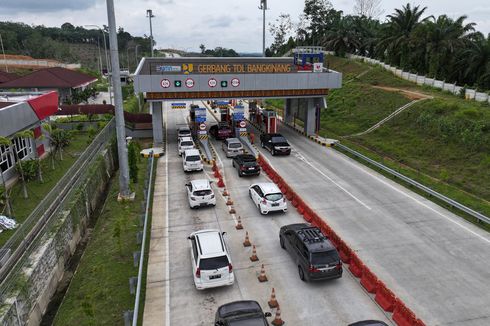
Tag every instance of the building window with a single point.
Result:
(23, 147)
(6, 160)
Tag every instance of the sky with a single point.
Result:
(186, 24)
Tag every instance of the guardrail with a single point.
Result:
(24, 240)
(131, 317)
(420, 186)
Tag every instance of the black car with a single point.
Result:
(241, 313)
(369, 323)
(275, 143)
(221, 131)
(315, 256)
(246, 164)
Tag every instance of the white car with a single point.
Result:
(191, 160)
(199, 193)
(184, 132)
(185, 143)
(211, 262)
(267, 197)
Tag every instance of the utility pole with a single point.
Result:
(4, 57)
(263, 7)
(149, 14)
(122, 150)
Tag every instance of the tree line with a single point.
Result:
(439, 47)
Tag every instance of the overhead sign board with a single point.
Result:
(238, 113)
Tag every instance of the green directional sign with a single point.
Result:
(224, 83)
(178, 83)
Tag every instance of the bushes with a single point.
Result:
(30, 169)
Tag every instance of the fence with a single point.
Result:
(419, 186)
(27, 237)
(131, 316)
(423, 80)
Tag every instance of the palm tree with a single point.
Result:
(476, 59)
(343, 37)
(21, 134)
(49, 130)
(6, 143)
(398, 33)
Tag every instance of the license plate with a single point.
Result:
(251, 168)
(275, 204)
(213, 277)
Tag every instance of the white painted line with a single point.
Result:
(302, 157)
(167, 251)
(368, 172)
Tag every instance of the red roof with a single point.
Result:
(5, 77)
(55, 77)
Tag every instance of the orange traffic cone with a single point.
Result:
(221, 184)
(229, 201)
(239, 225)
(216, 174)
(232, 210)
(246, 243)
(254, 254)
(277, 320)
(262, 277)
(225, 193)
(273, 302)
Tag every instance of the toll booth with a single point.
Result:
(224, 110)
(308, 61)
(252, 110)
(197, 117)
(239, 125)
(268, 121)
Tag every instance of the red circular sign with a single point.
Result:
(189, 82)
(243, 124)
(165, 83)
(212, 82)
(235, 82)
(202, 126)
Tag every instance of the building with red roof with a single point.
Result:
(6, 77)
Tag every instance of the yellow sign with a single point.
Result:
(243, 68)
(187, 68)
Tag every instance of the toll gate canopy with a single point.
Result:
(242, 77)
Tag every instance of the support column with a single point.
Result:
(157, 123)
(288, 111)
(311, 116)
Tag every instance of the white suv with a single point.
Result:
(211, 262)
(185, 143)
(183, 132)
(267, 197)
(199, 193)
(191, 160)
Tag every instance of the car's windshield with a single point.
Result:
(192, 158)
(324, 257)
(248, 321)
(186, 143)
(234, 145)
(213, 263)
(184, 132)
(274, 197)
(279, 140)
(202, 192)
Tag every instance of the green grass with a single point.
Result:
(99, 291)
(37, 190)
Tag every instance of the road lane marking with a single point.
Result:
(303, 158)
(369, 172)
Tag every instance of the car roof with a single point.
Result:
(200, 184)
(233, 140)
(268, 187)
(369, 323)
(210, 242)
(192, 151)
(184, 129)
(232, 308)
(316, 244)
(246, 157)
(186, 139)
(275, 135)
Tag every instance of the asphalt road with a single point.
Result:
(337, 302)
(435, 261)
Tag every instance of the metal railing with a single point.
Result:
(24, 240)
(418, 185)
(148, 197)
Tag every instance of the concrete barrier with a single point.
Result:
(385, 298)
(369, 281)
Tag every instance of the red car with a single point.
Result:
(221, 131)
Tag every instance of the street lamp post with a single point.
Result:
(263, 7)
(149, 14)
(122, 151)
(4, 56)
(106, 60)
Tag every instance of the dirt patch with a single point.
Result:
(409, 94)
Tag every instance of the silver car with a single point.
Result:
(232, 147)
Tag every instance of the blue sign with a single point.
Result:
(238, 113)
(222, 103)
(200, 115)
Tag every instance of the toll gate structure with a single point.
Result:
(303, 82)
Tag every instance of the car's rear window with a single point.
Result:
(186, 143)
(234, 145)
(213, 263)
(247, 163)
(274, 197)
(248, 321)
(202, 192)
(324, 257)
(184, 132)
(193, 158)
